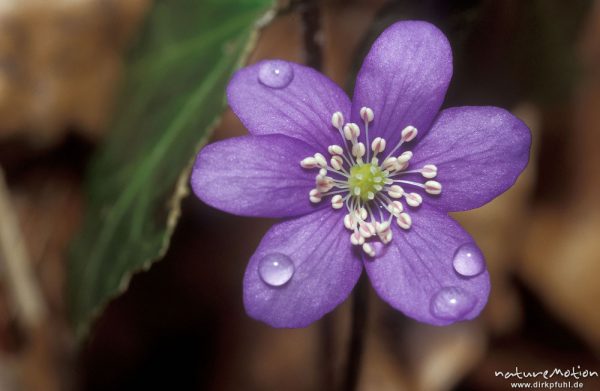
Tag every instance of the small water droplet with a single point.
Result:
(275, 73)
(275, 269)
(452, 303)
(468, 260)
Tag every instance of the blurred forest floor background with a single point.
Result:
(181, 325)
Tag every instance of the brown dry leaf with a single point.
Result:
(60, 62)
(562, 253)
(381, 370)
(283, 359)
(442, 356)
(562, 266)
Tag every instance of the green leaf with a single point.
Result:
(173, 95)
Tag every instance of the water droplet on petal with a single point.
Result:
(452, 303)
(468, 260)
(275, 269)
(275, 73)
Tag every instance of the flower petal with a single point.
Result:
(301, 109)
(255, 176)
(479, 153)
(415, 272)
(326, 268)
(404, 79)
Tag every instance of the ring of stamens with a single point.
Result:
(368, 185)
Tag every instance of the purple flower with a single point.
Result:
(366, 183)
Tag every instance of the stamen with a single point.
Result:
(321, 161)
(366, 114)
(357, 239)
(351, 131)
(335, 150)
(324, 183)
(389, 163)
(358, 150)
(405, 157)
(378, 146)
(429, 171)
(309, 162)
(367, 187)
(337, 162)
(409, 133)
(349, 221)
(337, 120)
(395, 208)
(314, 196)
(368, 249)
(413, 199)
(337, 202)
(395, 191)
(404, 221)
(433, 187)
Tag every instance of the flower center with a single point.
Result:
(371, 191)
(366, 180)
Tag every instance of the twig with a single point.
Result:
(29, 306)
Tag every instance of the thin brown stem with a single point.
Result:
(311, 33)
(357, 335)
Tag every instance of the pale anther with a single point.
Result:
(395, 191)
(357, 239)
(314, 196)
(358, 150)
(429, 171)
(413, 199)
(365, 230)
(337, 202)
(366, 114)
(404, 221)
(396, 208)
(382, 227)
(337, 120)
(336, 162)
(389, 163)
(363, 213)
(309, 162)
(348, 221)
(335, 150)
(368, 249)
(378, 145)
(321, 160)
(405, 157)
(433, 187)
(409, 133)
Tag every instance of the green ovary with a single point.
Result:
(365, 177)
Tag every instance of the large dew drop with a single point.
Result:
(452, 303)
(275, 269)
(275, 73)
(468, 260)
